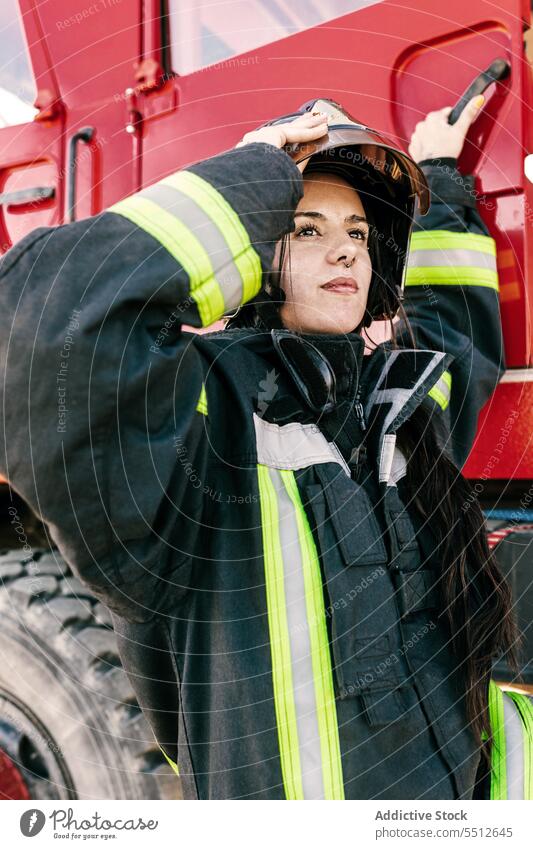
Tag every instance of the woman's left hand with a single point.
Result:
(434, 137)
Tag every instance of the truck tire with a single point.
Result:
(70, 726)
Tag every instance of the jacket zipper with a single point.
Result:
(358, 455)
(359, 411)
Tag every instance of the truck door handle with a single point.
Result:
(24, 196)
(498, 70)
(84, 135)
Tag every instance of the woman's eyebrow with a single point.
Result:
(313, 214)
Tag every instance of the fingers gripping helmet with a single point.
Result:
(388, 182)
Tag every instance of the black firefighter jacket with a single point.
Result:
(275, 608)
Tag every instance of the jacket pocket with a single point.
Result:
(384, 707)
(357, 532)
(360, 600)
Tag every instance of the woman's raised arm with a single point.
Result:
(100, 388)
(451, 286)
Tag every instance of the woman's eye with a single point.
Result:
(311, 230)
(361, 234)
(308, 228)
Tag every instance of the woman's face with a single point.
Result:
(327, 281)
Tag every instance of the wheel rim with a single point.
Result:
(32, 762)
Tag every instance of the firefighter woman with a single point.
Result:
(300, 584)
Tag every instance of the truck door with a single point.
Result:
(215, 70)
(31, 126)
(93, 49)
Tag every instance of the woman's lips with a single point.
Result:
(341, 285)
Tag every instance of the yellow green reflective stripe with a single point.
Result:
(446, 258)
(201, 406)
(498, 782)
(171, 762)
(525, 708)
(279, 639)
(184, 246)
(452, 275)
(226, 219)
(449, 240)
(441, 391)
(320, 652)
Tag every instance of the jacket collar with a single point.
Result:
(322, 366)
(397, 381)
(393, 381)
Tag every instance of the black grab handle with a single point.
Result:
(84, 135)
(499, 70)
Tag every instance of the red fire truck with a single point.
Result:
(99, 98)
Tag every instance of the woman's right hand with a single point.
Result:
(304, 128)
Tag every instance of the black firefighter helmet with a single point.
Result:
(389, 183)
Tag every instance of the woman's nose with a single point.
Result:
(345, 251)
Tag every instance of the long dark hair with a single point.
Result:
(476, 598)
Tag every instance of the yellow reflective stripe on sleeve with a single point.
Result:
(441, 391)
(279, 639)
(450, 275)
(446, 258)
(498, 781)
(201, 406)
(450, 240)
(170, 761)
(184, 246)
(320, 652)
(226, 219)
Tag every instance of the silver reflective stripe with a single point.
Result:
(395, 396)
(392, 462)
(451, 257)
(300, 645)
(181, 205)
(294, 446)
(386, 457)
(514, 749)
(398, 468)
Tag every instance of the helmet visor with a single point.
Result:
(354, 144)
